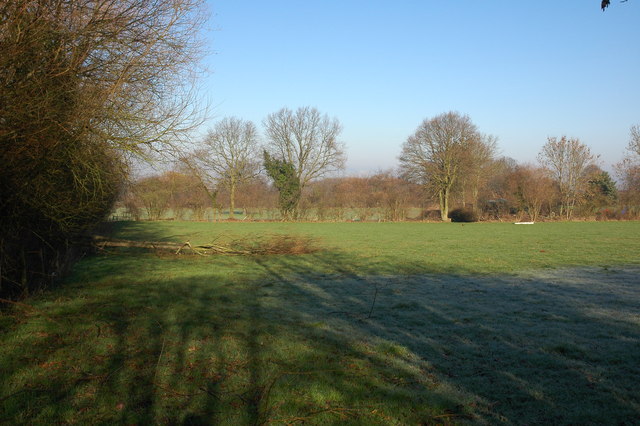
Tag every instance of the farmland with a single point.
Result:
(382, 323)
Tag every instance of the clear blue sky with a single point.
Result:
(522, 70)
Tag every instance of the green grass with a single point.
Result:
(391, 248)
(482, 323)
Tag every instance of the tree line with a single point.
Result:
(446, 163)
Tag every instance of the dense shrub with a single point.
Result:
(463, 215)
(84, 86)
(607, 214)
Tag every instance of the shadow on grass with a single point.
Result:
(285, 340)
(551, 347)
(142, 231)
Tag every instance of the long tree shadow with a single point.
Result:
(554, 347)
(293, 339)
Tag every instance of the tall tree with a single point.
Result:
(230, 155)
(477, 166)
(433, 156)
(306, 139)
(567, 161)
(634, 141)
(629, 173)
(628, 170)
(83, 84)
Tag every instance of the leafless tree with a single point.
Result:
(628, 170)
(257, 198)
(477, 166)
(229, 155)
(567, 161)
(83, 85)
(154, 194)
(390, 195)
(634, 141)
(434, 154)
(171, 191)
(308, 140)
(629, 173)
(533, 189)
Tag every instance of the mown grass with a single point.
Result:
(386, 324)
(478, 248)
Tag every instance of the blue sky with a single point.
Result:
(521, 70)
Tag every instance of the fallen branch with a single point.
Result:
(280, 244)
(155, 245)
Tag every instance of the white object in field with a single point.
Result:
(524, 223)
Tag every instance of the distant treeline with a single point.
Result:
(512, 192)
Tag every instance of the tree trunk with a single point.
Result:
(444, 204)
(474, 193)
(464, 192)
(232, 200)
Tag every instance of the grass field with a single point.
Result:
(390, 323)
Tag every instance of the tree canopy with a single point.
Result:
(228, 155)
(434, 155)
(307, 139)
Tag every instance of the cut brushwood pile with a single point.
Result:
(277, 244)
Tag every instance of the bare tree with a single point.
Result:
(257, 198)
(390, 195)
(434, 154)
(306, 139)
(532, 188)
(629, 173)
(170, 191)
(567, 161)
(634, 141)
(477, 166)
(154, 194)
(628, 170)
(83, 85)
(229, 155)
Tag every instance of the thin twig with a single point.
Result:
(159, 357)
(373, 303)
(110, 374)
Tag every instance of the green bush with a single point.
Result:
(463, 215)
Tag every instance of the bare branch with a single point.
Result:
(306, 139)
(433, 156)
(567, 160)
